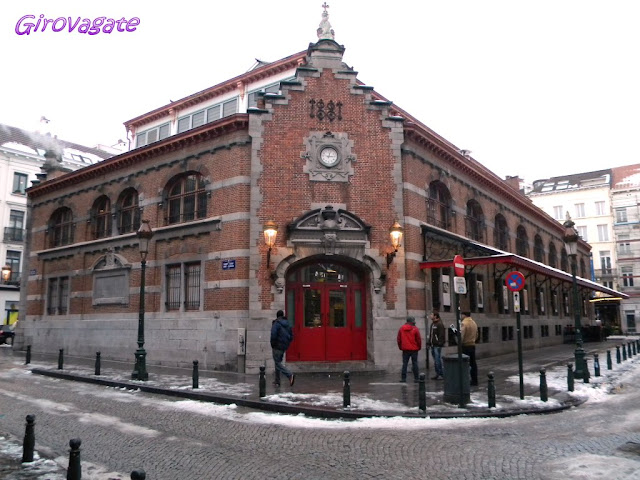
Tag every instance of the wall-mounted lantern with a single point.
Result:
(396, 241)
(270, 231)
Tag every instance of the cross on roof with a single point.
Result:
(325, 5)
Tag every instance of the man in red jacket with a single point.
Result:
(410, 342)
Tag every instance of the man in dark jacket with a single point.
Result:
(281, 338)
(436, 342)
(410, 342)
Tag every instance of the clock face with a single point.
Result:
(329, 156)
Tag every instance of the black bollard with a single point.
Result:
(491, 390)
(543, 385)
(633, 348)
(346, 390)
(422, 394)
(29, 439)
(618, 354)
(629, 354)
(570, 378)
(74, 472)
(262, 382)
(586, 375)
(624, 352)
(60, 358)
(596, 365)
(195, 377)
(609, 363)
(27, 360)
(97, 363)
(138, 475)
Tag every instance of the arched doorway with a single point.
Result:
(327, 306)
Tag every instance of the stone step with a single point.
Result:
(334, 367)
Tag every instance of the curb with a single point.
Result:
(306, 410)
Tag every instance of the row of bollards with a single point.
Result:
(74, 469)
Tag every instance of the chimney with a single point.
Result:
(513, 182)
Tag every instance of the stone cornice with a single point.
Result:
(234, 123)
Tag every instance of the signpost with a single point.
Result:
(458, 269)
(515, 282)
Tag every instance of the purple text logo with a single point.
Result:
(26, 25)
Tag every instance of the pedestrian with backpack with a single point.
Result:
(281, 338)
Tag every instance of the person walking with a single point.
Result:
(469, 337)
(436, 342)
(410, 342)
(281, 338)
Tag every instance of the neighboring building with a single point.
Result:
(625, 200)
(586, 197)
(333, 168)
(23, 154)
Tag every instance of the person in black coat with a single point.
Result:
(281, 338)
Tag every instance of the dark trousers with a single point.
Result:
(413, 355)
(470, 351)
(278, 355)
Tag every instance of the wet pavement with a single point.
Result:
(377, 393)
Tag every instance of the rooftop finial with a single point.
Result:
(325, 30)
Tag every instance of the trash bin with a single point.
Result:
(452, 379)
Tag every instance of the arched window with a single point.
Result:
(538, 249)
(101, 217)
(128, 212)
(61, 227)
(553, 255)
(474, 222)
(564, 260)
(439, 211)
(187, 199)
(522, 242)
(501, 233)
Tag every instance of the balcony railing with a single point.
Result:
(607, 273)
(14, 279)
(12, 234)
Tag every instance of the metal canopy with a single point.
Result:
(533, 266)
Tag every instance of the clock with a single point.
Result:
(329, 156)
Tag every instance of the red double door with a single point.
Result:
(326, 305)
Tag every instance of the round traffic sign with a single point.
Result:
(458, 266)
(514, 281)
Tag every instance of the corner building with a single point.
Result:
(300, 145)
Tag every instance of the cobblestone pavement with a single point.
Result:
(122, 430)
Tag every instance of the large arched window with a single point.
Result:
(439, 211)
(522, 241)
(564, 260)
(538, 249)
(474, 221)
(128, 212)
(61, 227)
(501, 233)
(101, 217)
(186, 198)
(553, 255)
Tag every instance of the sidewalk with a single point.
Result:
(372, 394)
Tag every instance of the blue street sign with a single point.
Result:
(228, 264)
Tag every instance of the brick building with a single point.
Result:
(302, 147)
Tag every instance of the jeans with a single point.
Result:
(436, 352)
(470, 350)
(278, 355)
(413, 355)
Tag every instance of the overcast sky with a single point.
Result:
(534, 89)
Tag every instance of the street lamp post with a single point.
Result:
(570, 238)
(144, 235)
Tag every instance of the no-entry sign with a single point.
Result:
(458, 266)
(514, 281)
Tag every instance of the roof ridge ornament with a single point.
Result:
(324, 30)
